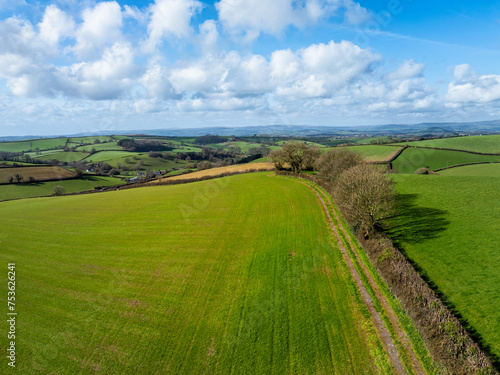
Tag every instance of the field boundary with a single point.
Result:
(454, 149)
(449, 341)
(466, 164)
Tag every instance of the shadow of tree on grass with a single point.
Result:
(413, 223)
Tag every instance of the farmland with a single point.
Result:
(374, 152)
(163, 288)
(39, 173)
(489, 144)
(229, 169)
(412, 159)
(38, 189)
(448, 225)
(474, 170)
(62, 156)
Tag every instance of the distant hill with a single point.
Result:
(449, 128)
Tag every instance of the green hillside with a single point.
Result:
(156, 281)
(449, 228)
(412, 159)
(489, 144)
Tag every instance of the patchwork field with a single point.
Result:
(489, 144)
(40, 173)
(449, 227)
(412, 159)
(39, 189)
(167, 286)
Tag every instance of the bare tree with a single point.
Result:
(333, 162)
(365, 195)
(311, 155)
(18, 177)
(279, 158)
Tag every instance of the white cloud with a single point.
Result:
(468, 87)
(250, 18)
(170, 18)
(55, 25)
(101, 27)
(209, 36)
(409, 69)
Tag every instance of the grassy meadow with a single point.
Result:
(449, 227)
(375, 152)
(488, 144)
(229, 276)
(412, 159)
(492, 169)
(39, 189)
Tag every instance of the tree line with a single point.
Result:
(363, 193)
(366, 196)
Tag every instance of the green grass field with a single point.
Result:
(91, 139)
(15, 146)
(374, 152)
(100, 147)
(66, 156)
(450, 229)
(111, 156)
(474, 170)
(489, 144)
(412, 159)
(39, 189)
(229, 276)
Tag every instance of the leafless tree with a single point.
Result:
(365, 195)
(333, 162)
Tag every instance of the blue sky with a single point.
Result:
(71, 66)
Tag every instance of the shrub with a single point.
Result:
(58, 190)
(424, 170)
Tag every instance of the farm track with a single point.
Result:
(394, 351)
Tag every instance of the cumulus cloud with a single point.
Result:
(101, 27)
(250, 18)
(468, 87)
(170, 18)
(55, 25)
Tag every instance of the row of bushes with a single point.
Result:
(448, 341)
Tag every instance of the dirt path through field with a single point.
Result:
(389, 312)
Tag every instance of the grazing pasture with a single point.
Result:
(412, 159)
(40, 189)
(15, 146)
(65, 156)
(374, 152)
(99, 147)
(492, 169)
(236, 275)
(449, 226)
(489, 144)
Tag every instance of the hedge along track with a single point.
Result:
(395, 339)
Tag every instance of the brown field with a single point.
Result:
(221, 170)
(39, 173)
